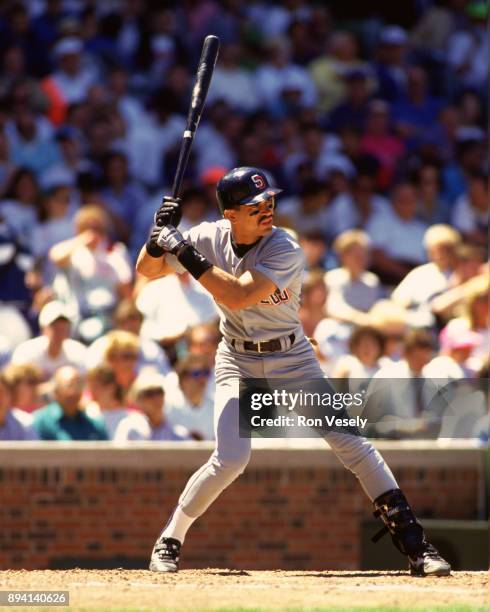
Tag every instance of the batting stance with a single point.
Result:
(254, 272)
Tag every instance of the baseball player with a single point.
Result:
(254, 270)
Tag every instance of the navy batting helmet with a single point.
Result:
(243, 186)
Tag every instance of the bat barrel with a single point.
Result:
(205, 69)
(209, 55)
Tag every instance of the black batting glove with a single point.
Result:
(169, 213)
(152, 247)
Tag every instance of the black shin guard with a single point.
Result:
(400, 522)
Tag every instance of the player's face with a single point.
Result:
(257, 218)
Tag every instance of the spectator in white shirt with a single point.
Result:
(402, 408)
(308, 211)
(397, 237)
(418, 351)
(96, 272)
(318, 155)
(358, 207)
(54, 347)
(107, 403)
(428, 280)
(467, 49)
(57, 225)
(231, 83)
(74, 77)
(366, 347)
(57, 218)
(149, 142)
(271, 77)
(129, 106)
(15, 424)
(31, 142)
(191, 405)
(331, 336)
(128, 318)
(352, 290)
(148, 395)
(15, 329)
(166, 320)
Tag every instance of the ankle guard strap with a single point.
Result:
(400, 522)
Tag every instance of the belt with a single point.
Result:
(270, 346)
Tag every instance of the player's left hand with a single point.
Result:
(169, 213)
(170, 239)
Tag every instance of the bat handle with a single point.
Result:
(182, 163)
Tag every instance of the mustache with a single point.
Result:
(264, 217)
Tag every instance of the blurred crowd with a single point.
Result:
(375, 130)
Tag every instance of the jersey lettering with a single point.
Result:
(276, 298)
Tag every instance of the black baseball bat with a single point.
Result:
(209, 55)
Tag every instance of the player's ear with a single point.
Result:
(230, 214)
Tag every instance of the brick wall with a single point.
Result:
(295, 508)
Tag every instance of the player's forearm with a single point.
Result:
(152, 267)
(234, 293)
(226, 289)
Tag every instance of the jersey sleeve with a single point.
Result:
(201, 237)
(282, 261)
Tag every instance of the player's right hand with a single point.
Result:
(169, 213)
(171, 240)
(152, 247)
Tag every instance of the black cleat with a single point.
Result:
(429, 563)
(165, 555)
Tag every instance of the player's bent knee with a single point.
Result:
(234, 461)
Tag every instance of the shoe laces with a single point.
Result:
(430, 551)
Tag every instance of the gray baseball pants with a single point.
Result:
(232, 453)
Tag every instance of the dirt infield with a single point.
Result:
(218, 589)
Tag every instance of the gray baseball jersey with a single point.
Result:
(278, 256)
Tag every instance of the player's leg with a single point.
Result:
(360, 457)
(227, 462)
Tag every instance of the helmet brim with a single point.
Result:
(260, 197)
